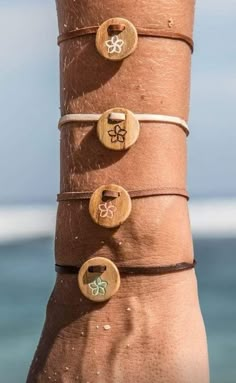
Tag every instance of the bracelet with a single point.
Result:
(70, 196)
(138, 270)
(119, 128)
(145, 32)
(99, 277)
(116, 116)
(117, 38)
(110, 205)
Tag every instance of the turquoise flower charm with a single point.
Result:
(98, 287)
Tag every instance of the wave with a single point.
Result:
(216, 218)
(208, 218)
(25, 223)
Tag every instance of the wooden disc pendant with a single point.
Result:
(116, 39)
(99, 279)
(110, 206)
(116, 133)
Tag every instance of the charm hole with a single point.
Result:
(109, 195)
(114, 119)
(97, 269)
(116, 28)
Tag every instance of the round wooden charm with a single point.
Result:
(99, 279)
(110, 206)
(116, 39)
(118, 134)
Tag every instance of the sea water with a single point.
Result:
(27, 277)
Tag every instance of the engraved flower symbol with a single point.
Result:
(107, 210)
(114, 45)
(98, 287)
(117, 134)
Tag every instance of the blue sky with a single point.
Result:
(29, 99)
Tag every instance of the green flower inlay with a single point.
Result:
(98, 287)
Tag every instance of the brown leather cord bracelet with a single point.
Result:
(70, 196)
(133, 270)
(142, 31)
(111, 205)
(99, 278)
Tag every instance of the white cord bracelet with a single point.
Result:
(121, 117)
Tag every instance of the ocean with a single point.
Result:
(27, 277)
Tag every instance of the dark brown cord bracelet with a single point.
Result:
(70, 196)
(142, 31)
(137, 270)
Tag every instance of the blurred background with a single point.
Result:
(29, 169)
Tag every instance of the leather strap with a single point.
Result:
(77, 117)
(136, 270)
(142, 31)
(68, 196)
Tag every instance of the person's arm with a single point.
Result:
(151, 330)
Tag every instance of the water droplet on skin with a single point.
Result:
(128, 309)
(73, 349)
(67, 368)
(128, 345)
(62, 281)
(82, 333)
(120, 243)
(98, 372)
(97, 326)
(102, 242)
(107, 327)
(76, 237)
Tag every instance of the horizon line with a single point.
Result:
(209, 218)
